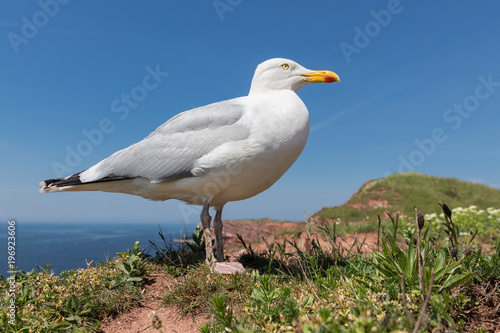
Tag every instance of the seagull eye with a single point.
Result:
(285, 66)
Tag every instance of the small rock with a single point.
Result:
(228, 268)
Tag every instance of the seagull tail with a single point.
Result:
(73, 183)
(60, 184)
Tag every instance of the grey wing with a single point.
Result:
(171, 151)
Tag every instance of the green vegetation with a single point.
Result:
(415, 284)
(414, 280)
(400, 192)
(76, 300)
(470, 219)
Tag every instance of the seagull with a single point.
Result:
(211, 155)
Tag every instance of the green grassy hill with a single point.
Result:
(402, 191)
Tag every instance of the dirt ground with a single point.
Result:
(487, 312)
(151, 310)
(253, 232)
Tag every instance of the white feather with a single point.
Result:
(226, 151)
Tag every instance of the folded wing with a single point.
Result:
(172, 150)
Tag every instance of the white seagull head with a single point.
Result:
(286, 74)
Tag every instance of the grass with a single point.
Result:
(413, 281)
(414, 284)
(192, 293)
(76, 300)
(403, 191)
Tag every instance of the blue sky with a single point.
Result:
(419, 90)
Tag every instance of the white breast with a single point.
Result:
(279, 124)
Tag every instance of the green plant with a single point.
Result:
(179, 256)
(394, 263)
(76, 309)
(484, 268)
(132, 266)
(75, 301)
(426, 271)
(469, 219)
(197, 244)
(194, 290)
(221, 309)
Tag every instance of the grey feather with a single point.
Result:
(171, 151)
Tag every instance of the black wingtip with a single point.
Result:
(74, 180)
(60, 182)
(48, 182)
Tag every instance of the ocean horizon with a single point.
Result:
(67, 246)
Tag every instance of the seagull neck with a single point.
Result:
(256, 91)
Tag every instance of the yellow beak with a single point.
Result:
(322, 76)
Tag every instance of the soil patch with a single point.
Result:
(152, 311)
(260, 233)
(483, 310)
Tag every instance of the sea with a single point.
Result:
(66, 246)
